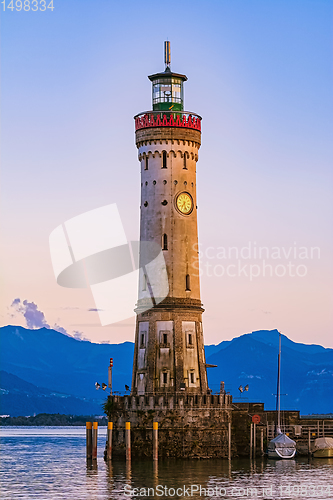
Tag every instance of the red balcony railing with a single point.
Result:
(182, 119)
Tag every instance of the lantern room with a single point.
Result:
(167, 87)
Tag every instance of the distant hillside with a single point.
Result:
(61, 364)
(49, 359)
(19, 397)
(306, 371)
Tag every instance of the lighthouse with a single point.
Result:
(169, 353)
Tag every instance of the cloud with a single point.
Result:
(36, 319)
(60, 329)
(79, 336)
(33, 316)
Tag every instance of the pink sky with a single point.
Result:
(259, 74)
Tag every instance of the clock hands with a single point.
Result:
(184, 203)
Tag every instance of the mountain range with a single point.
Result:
(46, 371)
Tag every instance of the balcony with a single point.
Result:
(180, 119)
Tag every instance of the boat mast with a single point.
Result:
(278, 392)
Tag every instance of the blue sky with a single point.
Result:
(260, 75)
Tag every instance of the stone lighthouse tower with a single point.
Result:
(169, 347)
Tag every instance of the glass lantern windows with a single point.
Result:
(167, 90)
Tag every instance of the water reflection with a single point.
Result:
(52, 465)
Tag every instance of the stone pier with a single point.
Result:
(189, 426)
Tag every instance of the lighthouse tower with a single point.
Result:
(169, 347)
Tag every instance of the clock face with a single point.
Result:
(184, 203)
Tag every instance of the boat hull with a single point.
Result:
(325, 453)
(283, 453)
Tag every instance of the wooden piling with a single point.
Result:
(254, 439)
(89, 440)
(229, 440)
(155, 440)
(309, 442)
(94, 440)
(109, 442)
(262, 441)
(251, 434)
(128, 440)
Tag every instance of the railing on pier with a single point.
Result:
(321, 428)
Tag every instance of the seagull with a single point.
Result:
(104, 386)
(97, 385)
(126, 388)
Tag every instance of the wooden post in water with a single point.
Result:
(309, 442)
(254, 439)
(229, 440)
(155, 440)
(128, 440)
(262, 441)
(89, 440)
(109, 442)
(251, 434)
(94, 440)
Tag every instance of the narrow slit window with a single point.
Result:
(164, 159)
(185, 166)
(165, 377)
(188, 283)
(146, 163)
(192, 377)
(142, 339)
(190, 339)
(165, 338)
(165, 242)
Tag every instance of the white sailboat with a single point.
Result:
(281, 446)
(323, 447)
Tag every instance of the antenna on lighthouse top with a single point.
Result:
(167, 55)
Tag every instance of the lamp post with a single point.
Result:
(110, 376)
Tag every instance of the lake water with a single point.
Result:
(48, 463)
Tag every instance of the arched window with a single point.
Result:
(188, 284)
(164, 159)
(146, 163)
(185, 166)
(165, 242)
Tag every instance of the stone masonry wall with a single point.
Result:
(194, 427)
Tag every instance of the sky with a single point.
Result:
(260, 75)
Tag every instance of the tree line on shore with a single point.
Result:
(52, 419)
